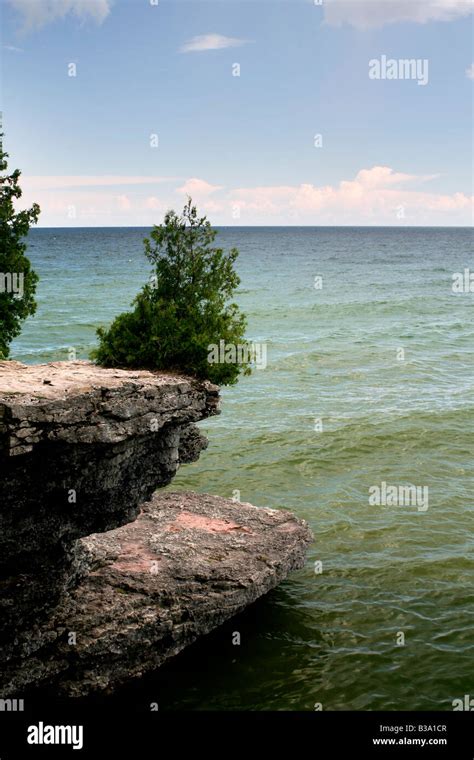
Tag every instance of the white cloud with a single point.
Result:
(384, 176)
(155, 204)
(470, 71)
(38, 13)
(61, 182)
(365, 14)
(210, 42)
(198, 188)
(124, 202)
(13, 49)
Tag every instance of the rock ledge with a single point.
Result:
(101, 579)
(188, 563)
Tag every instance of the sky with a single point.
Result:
(265, 112)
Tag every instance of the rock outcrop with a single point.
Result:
(82, 450)
(187, 564)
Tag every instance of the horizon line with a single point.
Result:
(273, 226)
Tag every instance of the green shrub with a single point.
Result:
(17, 279)
(184, 309)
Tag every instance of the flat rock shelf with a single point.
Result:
(102, 578)
(188, 563)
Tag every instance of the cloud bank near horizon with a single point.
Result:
(376, 196)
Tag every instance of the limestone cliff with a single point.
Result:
(82, 451)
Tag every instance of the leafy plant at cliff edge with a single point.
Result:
(185, 307)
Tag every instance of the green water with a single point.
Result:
(369, 379)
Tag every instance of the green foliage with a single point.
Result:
(17, 279)
(185, 308)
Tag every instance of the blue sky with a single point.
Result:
(391, 151)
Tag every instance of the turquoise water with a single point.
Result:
(369, 379)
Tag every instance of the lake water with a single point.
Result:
(369, 380)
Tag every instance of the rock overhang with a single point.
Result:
(87, 545)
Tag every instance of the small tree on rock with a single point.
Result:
(185, 307)
(17, 279)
